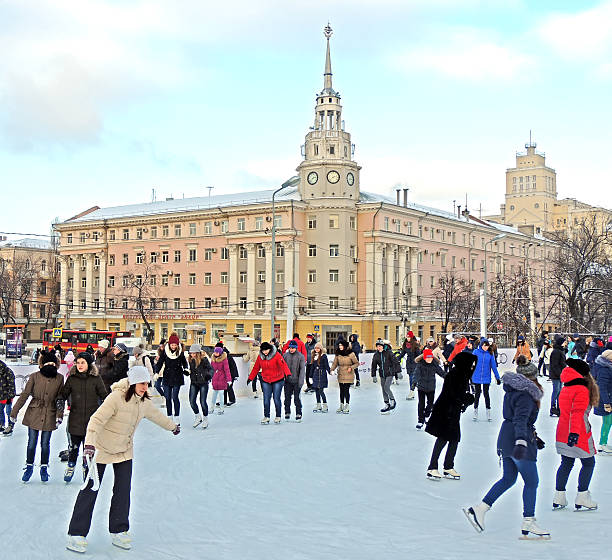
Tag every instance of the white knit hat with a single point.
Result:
(104, 343)
(138, 374)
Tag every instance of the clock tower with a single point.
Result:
(328, 169)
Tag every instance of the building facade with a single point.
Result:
(345, 260)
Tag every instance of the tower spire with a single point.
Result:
(327, 83)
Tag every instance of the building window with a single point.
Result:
(126, 259)
(207, 278)
(223, 302)
(242, 277)
(334, 221)
(83, 283)
(312, 276)
(224, 277)
(153, 232)
(165, 231)
(242, 304)
(69, 238)
(111, 282)
(278, 222)
(177, 279)
(453, 261)
(259, 223)
(112, 235)
(261, 276)
(334, 250)
(312, 223)
(193, 255)
(333, 275)
(139, 258)
(207, 228)
(386, 223)
(165, 256)
(164, 279)
(261, 252)
(82, 238)
(111, 260)
(224, 226)
(192, 303)
(208, 253)
(177, 256)
(224, 253)
(153, 280)
(351, 276)
(242, 252)
(311, 303)
(153, 257)
(352, 222)
(126, 234)
(261, 303)
(241, 224)
(312, 250)
(177, 230)
(176, 303)
(279, 304)
(333, 303)
(192, 229)
(280, 276)
(124, 303)
(139, 233)
(208, 303)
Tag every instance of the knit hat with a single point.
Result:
(218, 350)
(138, 350)
(292, 344)
(576, 335)
(410, 334)
(607, 354)
(121, 347)
(449, 337)
(266, 346)
(86, 356)
(578, 365)
(431, 339)
(427, 353)
(138, 374)
(104, 343)
(309, 336)
(379, 342)
(174, 339)
(195, 348)
(521, 338)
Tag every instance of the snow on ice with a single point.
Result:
(335, 486)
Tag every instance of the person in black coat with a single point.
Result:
(426, 370)
(517, 446)
(557, 364)
(356, 348)
(229, 397)
(385, 362)
(172, 366)
(446, 414)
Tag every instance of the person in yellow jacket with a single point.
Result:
(110, 437)
(522, 349)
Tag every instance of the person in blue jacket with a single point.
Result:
(517, 446)
(602, 372)
(482, 375)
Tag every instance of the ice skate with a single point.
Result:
(121, 540)
(287, 416)
(340, 409)
(277, 420)
(392, 404)
(386, 409)
(317, 408)
(434, 474)
(475, 417)
(410, 395)
(204, 423)
(197, 420)
(44, 473)
(419, 425)
(221, 410)
(324, 407)
(77, 544)
(69, 473)
(604, 449)
(265, 421)
(559, 500)
(488, 414)
(584, 502)
(374, 380)
(476, 514)
(346, 410)
(27, 473)
(531, 531)
(9, 430)
(298, 417)
(451, 474)
(358, 384)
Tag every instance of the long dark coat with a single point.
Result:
(86, 392)
(454, 399)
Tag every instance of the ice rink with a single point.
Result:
(334, 486)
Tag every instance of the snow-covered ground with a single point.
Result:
(335, 486)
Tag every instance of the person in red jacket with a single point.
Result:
(273, 372)
(460, 346)
(574, 438)
(301, 346)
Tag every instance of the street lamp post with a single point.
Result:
(484, 298)
(288, 183)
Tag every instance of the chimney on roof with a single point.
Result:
(405, 198)
(397, 193)
(459, 211)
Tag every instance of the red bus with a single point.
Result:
(77, 341)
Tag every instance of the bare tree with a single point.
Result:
(17, 279)
(467, 307)
(140, 287)
(448, 294)
(509, 303)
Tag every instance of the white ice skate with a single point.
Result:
(265, 421)
(475, 417)
(488, 414)
(531, 531)
(345, 410)
(197, 420)
(584, 502)
(340, 409)
(317, 408)
(604, 449)
(434, 474)
(204, 423)
(277, 420)
(92, 474)
(476, 514)
(451, 474)
(410, 395)
(324, 409)
(559, 500)
(77, 544)
(121, 540)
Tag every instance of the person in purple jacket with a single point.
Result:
(222, 377)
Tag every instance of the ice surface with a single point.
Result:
(335, 486)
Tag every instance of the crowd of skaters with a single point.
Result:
(109, 393)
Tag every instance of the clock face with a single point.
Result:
(350, 179)
(333, 176)
(313, 177)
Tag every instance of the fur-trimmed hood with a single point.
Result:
(220, 358)
(93, 371)
(270, 355)
(122, 385)
(517, 382)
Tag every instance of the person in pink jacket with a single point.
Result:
(222, 378)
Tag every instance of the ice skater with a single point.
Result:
(388, 366)
(574, 437)
(482, 376)
(517, 446)
(345, 362)
(110, 437)
(319, 370)
(602, 371)
(172, 366)
(7, 394)
(293, 383)
(200, 377)
(221, 379)
(427, 367)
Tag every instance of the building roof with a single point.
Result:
(26, 243)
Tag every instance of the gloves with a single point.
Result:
(177, 430)
(520, 451)
(58, 422)
(572, 439)
(540, 443)
(608, 407)
(155, 377)
(229, 383)
(498, 381)
(89, 450)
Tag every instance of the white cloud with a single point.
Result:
(465, 54)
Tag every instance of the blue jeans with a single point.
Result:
(171, 393)
(8, 407)
(556, 389)
(529, 473)
(202, 392)
(584, 478)
(45, 446)
(270, 389)
(159, 386)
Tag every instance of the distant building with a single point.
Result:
(346, 260)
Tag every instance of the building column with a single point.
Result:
(76, 284)
(233, 278)
(89, 281)
(290, 302)
(404, 282)
(391, 277)
(251, 276)
(269, 279)
(103, 283)
(414, 277)
(63, 310)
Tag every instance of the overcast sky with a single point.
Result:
(102, 100)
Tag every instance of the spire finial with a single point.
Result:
(327, 84)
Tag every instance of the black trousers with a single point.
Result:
(484, 387)
(118, 517)
(425, 410)
(293, 390)
(228, 395)
(73, 448)
(449, 459)
(308, 374)
(345, 392)
(357, 369)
